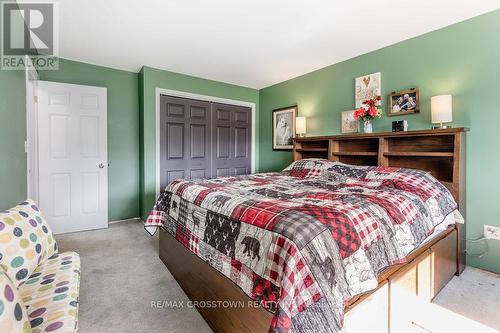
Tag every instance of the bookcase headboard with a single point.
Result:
(440, 152)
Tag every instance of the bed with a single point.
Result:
(294, 250)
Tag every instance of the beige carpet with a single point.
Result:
(122, 275)
(475, 295)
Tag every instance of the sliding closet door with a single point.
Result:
(231, 137)
(185, 147)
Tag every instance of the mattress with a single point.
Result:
(451, 219)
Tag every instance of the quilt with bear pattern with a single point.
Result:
(304, 241)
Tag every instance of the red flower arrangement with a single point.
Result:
(370, 109)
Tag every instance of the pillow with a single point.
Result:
(13, 316)
(308, 168)
(25, 241)
(343, 171)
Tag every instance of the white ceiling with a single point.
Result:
(253, 43)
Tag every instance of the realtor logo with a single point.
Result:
(29, 28)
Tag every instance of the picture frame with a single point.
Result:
(349, 124)
(367, 87)
(403, 102)
(283, 123)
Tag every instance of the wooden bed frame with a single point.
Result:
(441, 152)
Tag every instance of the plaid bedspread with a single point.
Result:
(306, 240)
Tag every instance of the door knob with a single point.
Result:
(101, 166)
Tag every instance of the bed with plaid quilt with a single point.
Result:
(304, 241)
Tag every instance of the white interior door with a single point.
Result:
(72, 156)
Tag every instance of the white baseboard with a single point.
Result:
(125, 220)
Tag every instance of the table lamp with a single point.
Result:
(441, 110)
(300, 126)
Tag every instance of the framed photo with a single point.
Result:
(348, 123)
(284, 128)
(403, 102)
(367, 87)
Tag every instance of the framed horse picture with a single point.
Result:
(284, 127)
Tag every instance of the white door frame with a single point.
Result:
(213, 99)
(31, 146)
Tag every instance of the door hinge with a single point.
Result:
(35, 98)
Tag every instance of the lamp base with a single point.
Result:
(441, 126)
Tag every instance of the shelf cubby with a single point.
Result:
(364, 145)
(311, 149)
(418, 154)
(359, 160)
(305, 150)
(434, 143)
(355, 153)
(440, 167)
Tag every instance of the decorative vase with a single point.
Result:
(368, 128)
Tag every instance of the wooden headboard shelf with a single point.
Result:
(440, 152)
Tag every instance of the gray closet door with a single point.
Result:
(185, 134)
(231, 149)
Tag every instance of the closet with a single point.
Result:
(202, 139)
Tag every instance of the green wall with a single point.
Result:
(150, 79)
(13, 183)
(12, 138)
(123, 129)
(463, 59)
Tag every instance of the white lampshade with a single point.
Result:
(300, 125)
(441, 109)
